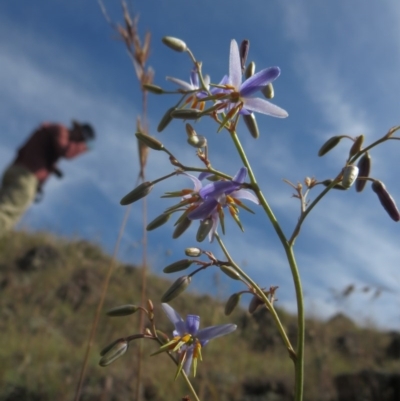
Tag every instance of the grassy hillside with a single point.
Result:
(50, 288)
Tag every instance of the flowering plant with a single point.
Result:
(226, 102)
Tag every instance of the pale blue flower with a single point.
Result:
(189, 339)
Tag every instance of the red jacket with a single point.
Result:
(45, 147)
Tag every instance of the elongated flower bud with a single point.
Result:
(186, 114)
(232, 303)
(117, 350)
(181, 228)
(250, 70)
(336, 186)
(251, 124)
(176, 289)
(244, 51)
(356, 146)
(329, 145)
(268, 91)
(150, 141)
(254, 304)
(350, 174)
(193, 252)
(123, 310)
(230, 272)
(157, 90)
(364, 167)
(386, 200)
(158, 221)
(178, 266)
(174, 43)
(167, 118)
(139, 192)
(198, 141)
(204, 228)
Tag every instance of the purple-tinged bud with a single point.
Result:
(139, 192)
(176, 289)
(356, 145)
(204, 228)
(198, 141)
(232, 303)
(350, 174)
(250, 70)
(157, 90)
(179, 265)
(329, 145)
(336, 186)
(193, 252)
(190, 130)
(123, 310)
(181, 227)
(174, 43)
(392, 131)
(386, 200)
(251, 124)
(186, 114)
(150, 141)
(165, 120)
(230, 272)
(158, 221)
(364, 167)
(254, 304)
(150, 305)
(268, 91)
(244, 51)
(118, 349)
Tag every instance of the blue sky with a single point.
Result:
(339, 60)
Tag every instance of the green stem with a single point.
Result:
(299, 360)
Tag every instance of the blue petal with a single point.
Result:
(176, 320)
(204, 210)
(240, 175)
(194, 79)
(188, 361)
(215, 331)
(197, 183)
(257, 81)
(184, 85)
(263, 106)
(235, 69)
(243, 194)
(216, 189)
(192, 324)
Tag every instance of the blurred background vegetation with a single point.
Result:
(50, 288)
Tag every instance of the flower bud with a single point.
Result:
(150, 141)
(178, 266)
(250, 70)
(165, 120)
(329, 145)
(139, 192)
(123, 310)
(251, 124)
(268, 91)
(254, 304)
(232, 303)
(204, 228)
(158, 221)
(336, 186)
(364, 167)
(198, 141)
(176, 289)
(244, 51)
(153, 89)
(350, 174)
(230, 272)
(193, 252)
(181, 227)
(356, 145)
(186, 114)
(190, 130)
(386, 200)
(174, 43)
(114, 351)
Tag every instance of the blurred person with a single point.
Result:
(23, 180)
